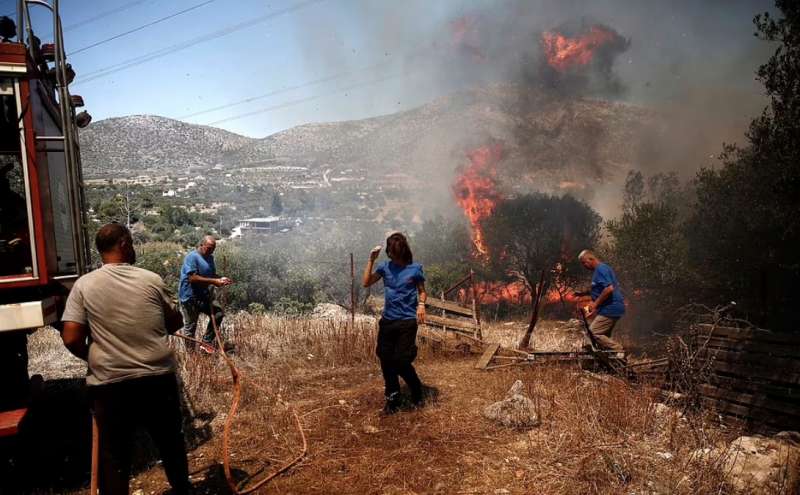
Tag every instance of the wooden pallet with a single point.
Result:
(755, 376)
(496, 356)
(452, 317)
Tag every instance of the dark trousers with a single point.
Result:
(14, 370)
(191, 310)
(153, 403)
(397, 348)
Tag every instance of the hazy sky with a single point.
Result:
(302, 61)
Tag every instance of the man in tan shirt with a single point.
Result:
(118, 318)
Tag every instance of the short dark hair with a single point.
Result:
(397, 245)
(109, 235)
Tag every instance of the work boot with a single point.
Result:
(392, 403)
(417, 399)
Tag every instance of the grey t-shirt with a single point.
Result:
(124, 307)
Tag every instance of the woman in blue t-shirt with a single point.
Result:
(404, 306)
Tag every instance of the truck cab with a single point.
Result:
(43, 242)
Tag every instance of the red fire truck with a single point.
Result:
(43, 245)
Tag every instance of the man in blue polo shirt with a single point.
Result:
(608, 303)
(197, 274)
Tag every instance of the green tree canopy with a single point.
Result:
(744, 235)
(537, 232)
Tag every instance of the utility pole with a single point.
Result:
(128, 205)
(352, 291)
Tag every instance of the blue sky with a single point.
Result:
(373, 56)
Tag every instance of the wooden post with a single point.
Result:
(525, 342)
(476, 310)
(444, 313)
(352, 291)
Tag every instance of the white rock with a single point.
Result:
(664, 411)
(760, 465)
(515, 410)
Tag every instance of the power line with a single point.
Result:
(102, 15)
(96, 17)
(308, 98)
(143, 26)
(132, 62)
(332, 77)
(339, 75)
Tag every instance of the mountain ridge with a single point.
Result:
(547, 138)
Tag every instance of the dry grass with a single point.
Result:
(48, 357)
(549, 335)
(598, 434)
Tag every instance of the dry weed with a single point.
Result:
(598, 434)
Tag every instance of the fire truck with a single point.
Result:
(43, 242)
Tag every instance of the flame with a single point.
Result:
(563, 52)
(517, 293)
(465, 37)
(476, 190)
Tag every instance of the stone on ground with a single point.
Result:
(761, 465)
(516, 410)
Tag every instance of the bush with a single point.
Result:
(163, 258)
(255, 308)
(286, 306)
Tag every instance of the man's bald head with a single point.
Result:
(115, 244)
(588, 259)
(207, 245)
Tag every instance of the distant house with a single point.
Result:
(260, 225)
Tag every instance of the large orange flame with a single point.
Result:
(563, 52)
(476, 190)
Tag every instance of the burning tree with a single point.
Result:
(536, 238)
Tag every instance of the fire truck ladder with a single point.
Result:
(67, 116)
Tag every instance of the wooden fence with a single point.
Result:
(753, 376)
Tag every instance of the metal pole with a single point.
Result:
(21, 21)
(71, 148)
(352, 291)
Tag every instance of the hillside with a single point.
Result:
(136, 144)
(546, 138)
(543, 135)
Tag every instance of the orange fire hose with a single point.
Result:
(95, 457)
(236, 375)
(226, 431)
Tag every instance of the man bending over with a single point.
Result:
(608, 303)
